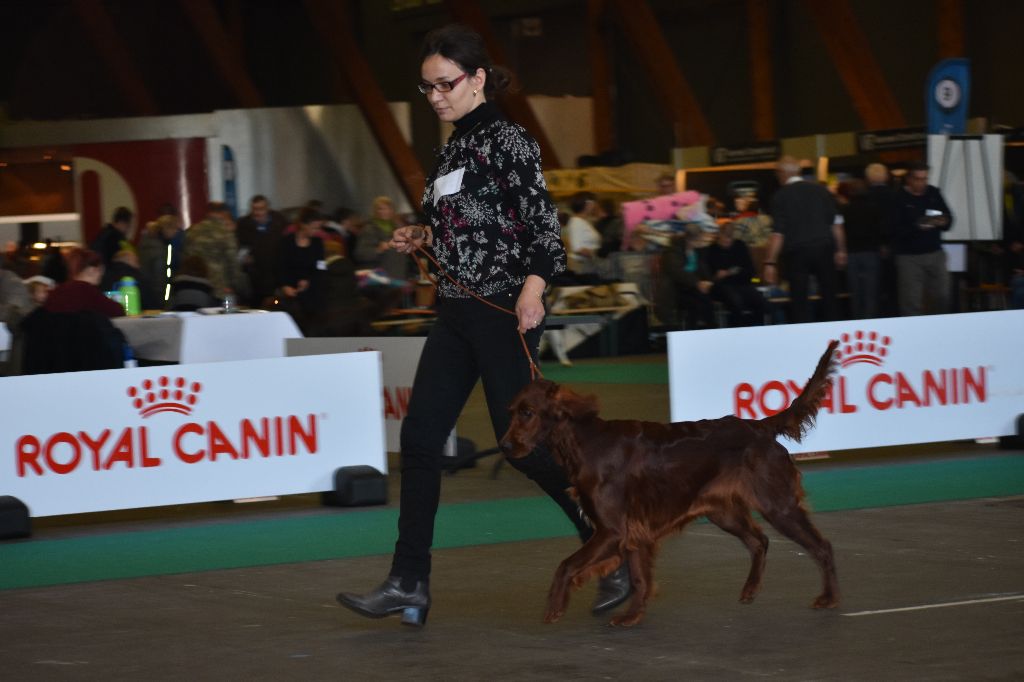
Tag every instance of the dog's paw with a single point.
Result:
(825, 601)
(626, 620)
(553, 616)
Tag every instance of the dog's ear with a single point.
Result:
(570, 405)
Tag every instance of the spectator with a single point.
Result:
(39, 288)
(610, 225)
(126, 264)
(920, 216)
(259, 235)
(687, 280)
(880, 192)
(1013, 239)
(159, 251)
(14, 260)
(864, 224)
(302, 267)
(82, 291)
(582, 240)
(666, 184)
(732, 272)
(15, 301)
(213, 239)
(191, 288)
(807, 239)
(115, 236)
(346, 312)
(372, 250)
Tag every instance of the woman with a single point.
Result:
(493, 228)
(373, 241)
(301, 264)
(82, 291)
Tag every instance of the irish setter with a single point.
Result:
(639, 481)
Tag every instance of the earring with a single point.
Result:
(474, 93)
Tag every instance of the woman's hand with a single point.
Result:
(530, 306)
(409, 238)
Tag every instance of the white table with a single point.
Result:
(189, 338)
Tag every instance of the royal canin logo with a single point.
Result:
(862, 347)
(165, 395)
(881, 390)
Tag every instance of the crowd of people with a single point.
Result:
(874, 242)
(334, 274)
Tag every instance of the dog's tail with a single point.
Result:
(795, 420)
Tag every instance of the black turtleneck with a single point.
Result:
(485, 113)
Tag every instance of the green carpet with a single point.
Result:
(632, 373)
(206, 547)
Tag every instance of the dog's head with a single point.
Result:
(537, 413)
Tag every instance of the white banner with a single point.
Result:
(901, 380)
(399, 356)
(123, 438)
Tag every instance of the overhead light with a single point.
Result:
(65, 167)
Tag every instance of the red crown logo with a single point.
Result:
(165, 395)
(867, 347)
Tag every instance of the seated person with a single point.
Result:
(732, 271)
(191, 288)
(125, 263)
(687, 280)
(82, 291)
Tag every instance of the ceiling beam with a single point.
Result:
(762, 68)
(334, 23)
(224, 51)
(689, 126)
(850, 51)
(111, 47)
(514, 104)
(949, 19)
(600, 76)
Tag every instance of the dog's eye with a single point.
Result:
(526, 412)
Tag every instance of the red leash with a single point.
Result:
(535, 372)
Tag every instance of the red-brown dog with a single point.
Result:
(639, 481)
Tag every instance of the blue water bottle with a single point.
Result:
(130, 295)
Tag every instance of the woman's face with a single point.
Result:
(453, 105)
(384, 211)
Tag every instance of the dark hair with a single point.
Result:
(122, 215)
(579, 201)
(917, 167)
(309, 214)
(465, 47)
(258, 197)
(78, 259)
(343, 213)
(217, 207)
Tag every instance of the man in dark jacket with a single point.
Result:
(920, 216)
(115, 235)
(259, 236)
(807, 239)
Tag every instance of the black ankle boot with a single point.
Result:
(612, 590)
(389, 598)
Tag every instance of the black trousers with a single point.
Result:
(469, 341)
(798, 265)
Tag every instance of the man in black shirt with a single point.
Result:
(920, 216)
(807, 239)
(259, 236)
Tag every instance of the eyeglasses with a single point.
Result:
(441, 86)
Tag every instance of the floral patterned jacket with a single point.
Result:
(488, 206)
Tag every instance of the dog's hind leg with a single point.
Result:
(599, 552)
(736, 519)
(641, 570)
(792, 521)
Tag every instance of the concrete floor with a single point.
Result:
(956, 568)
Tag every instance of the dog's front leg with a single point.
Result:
(574, 570)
